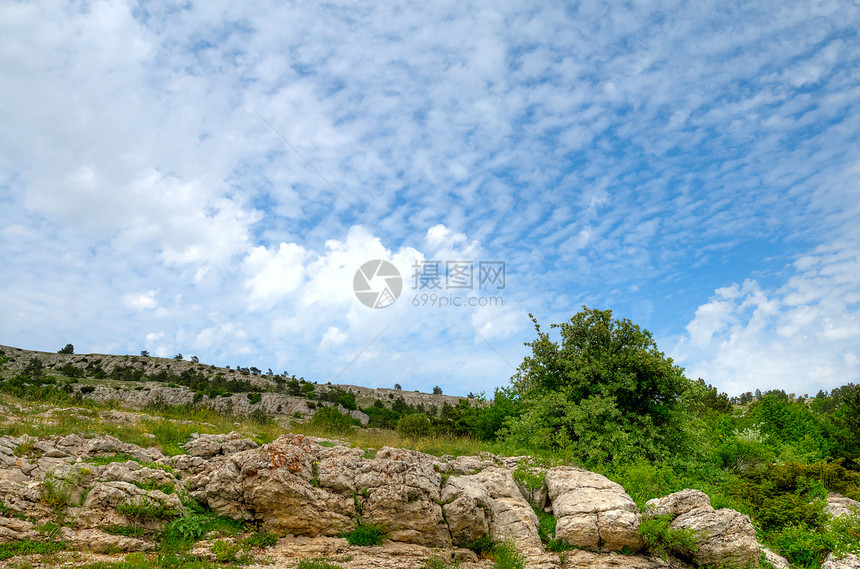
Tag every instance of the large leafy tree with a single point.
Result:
(604, 392)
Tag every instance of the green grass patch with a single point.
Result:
(364, 534)
(318, 563)
(261, 539)
(141, 509)
(29, 547)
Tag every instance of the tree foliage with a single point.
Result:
(603, 393)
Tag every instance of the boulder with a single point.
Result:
(468, 509)
(207, 446)
(512, 517)
(678, 503)
(838, 506)
(776, 561)
(722, 537)
(399, 490)
(849, 561)
(592, 512)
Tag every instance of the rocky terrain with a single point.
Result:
(102, 498)
(104, 378)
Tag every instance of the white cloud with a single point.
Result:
(141, 301)
(800, 337)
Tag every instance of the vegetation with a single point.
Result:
(594, 391)
(364, 534)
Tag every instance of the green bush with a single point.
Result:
(260, 539)
(365, 534)
(414, 426)
(506, 556)
(331, 419)
(224, 551)
(660, 539)
(482, 546)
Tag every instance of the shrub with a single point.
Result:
(331, 419)
(321, 563)
(660, 539)
(254, 398)
(364, 534)
(140, 508)
(224, 551)
(482, 546)
(414, 426)
(506, 556)
(260, 539)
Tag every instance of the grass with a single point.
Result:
(378, 438)
(29, 547)
(364, 534)
(171, 426)
(160, 561)
(318, 563)
(140, 509)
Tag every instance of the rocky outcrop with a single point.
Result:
(315, 490)
(722, 537)
(838, 506)
(848, 561)
(592, 511)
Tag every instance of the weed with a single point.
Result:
(660, 539)
(224, 551)
(364, 534)
(507, 556)
(260, 539)
(482, 546)
(140, 509)
(29, 547)
(319, 563)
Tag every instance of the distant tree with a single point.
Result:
(269, 372)
(144, 353)
(68, 349)
(437, 390)
(177, 357)
(195, 359)
(414, 426)
(397, 386)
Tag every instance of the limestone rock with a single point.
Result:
(849, 561)
(678, 503)
(512, 517)
(838, 505)
(579, 559)
(207, 446)
(777, 561)
(724, 537)
(468, 509)
(592, 511)
(400, 490)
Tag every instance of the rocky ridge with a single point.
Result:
(310, 492)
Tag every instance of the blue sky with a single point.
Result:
(206, 178)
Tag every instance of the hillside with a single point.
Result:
(138, 381)
(99, 488)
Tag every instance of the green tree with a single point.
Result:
(437, 390)
(603, 393)
(68, 349)
(414, 426)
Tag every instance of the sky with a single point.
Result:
(208, 178)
